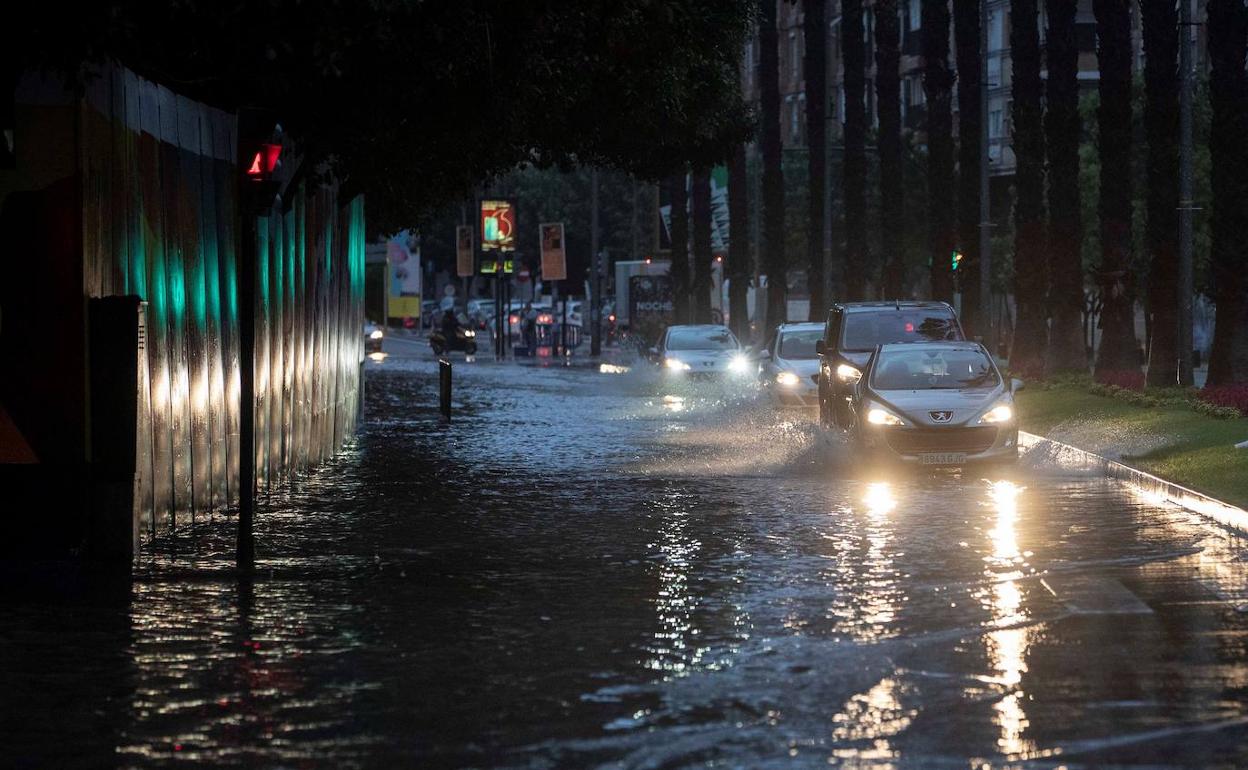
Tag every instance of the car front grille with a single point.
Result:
(908, 441)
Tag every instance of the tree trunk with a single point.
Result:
(1063, 129)
(816, 74)
(739, 268)
(679, 270)
(1228, 96)
(854, 171)
(1118, 358)
(1031, 268)
(970, 115)
(773, 175)
(1161, 127)
(938, 87)
(888, 98)
(702, 256)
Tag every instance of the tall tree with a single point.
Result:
(1118, 355)
(1063, 130)
(678, 195)
(773, 175)
(702, 256)
(970, 117)
(739, 268)
(1161, 128)
(816, 74)
(1031, 269)
(1228, 96)
(938, 87)
(854, 172)
(888, 108)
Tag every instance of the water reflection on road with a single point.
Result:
(591, 569)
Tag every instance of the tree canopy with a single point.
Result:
(415, 103)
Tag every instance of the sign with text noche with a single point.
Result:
(554, 259)
(498, 225)
(463, 251)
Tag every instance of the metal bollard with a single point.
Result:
(444, 389)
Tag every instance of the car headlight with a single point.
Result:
(881, 417)
(469, 333)
(848, 373)
(739, 364)
(788, 379)
(676, 364)
(376, 334)
(999, 413)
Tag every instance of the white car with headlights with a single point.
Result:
(936, 403)
(703, 351)
(789, 366)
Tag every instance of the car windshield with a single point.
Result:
(864, 330)
(927, 369)
(799, 345)
(701, 339)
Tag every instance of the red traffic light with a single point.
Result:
(264, 163)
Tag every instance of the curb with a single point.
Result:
(1150, 487)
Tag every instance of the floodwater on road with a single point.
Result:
(593, 570)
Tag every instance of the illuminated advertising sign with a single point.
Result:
(498, 225)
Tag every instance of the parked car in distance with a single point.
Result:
(852, 332)
(936, 403)
(788, 368)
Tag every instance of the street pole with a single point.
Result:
(1186, 204)
(595, 307)
(987, 322)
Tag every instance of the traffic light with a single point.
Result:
(955, 260)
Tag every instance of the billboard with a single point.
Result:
(463, 251)
(404, 267)
(719, 212)
(498, 225)
(554, 258)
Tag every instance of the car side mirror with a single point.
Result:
(1017, 385)
(820, 348)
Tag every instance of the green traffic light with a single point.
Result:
(956, 259)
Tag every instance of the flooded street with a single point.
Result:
(584, 570)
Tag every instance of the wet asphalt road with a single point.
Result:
(579, 572)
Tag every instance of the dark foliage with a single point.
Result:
(1228, 96)
(416, 103)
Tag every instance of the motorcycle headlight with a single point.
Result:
(877, 416)
(376, 334)
(675, 364)
(847, 373)
(788, 379)
(469, 333)
(999, 413)
(739, 364)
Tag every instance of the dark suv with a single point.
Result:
(851, 334)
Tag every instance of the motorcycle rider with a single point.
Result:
(450, 324)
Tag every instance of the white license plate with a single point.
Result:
(942, 458)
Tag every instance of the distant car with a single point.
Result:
(938, 403)
(701, 351)
(374, 335)
(789, 366)
(854, 329)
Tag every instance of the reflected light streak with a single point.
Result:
(879, 498)
(613, 369)
(674, 403)
(1007, 648)
(378, 356)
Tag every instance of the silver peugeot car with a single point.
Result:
(935, 403)
(701, 352)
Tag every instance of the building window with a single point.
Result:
(995, 120)
(996, 30)
(915, 15)
(793, 118)
(795, 58)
